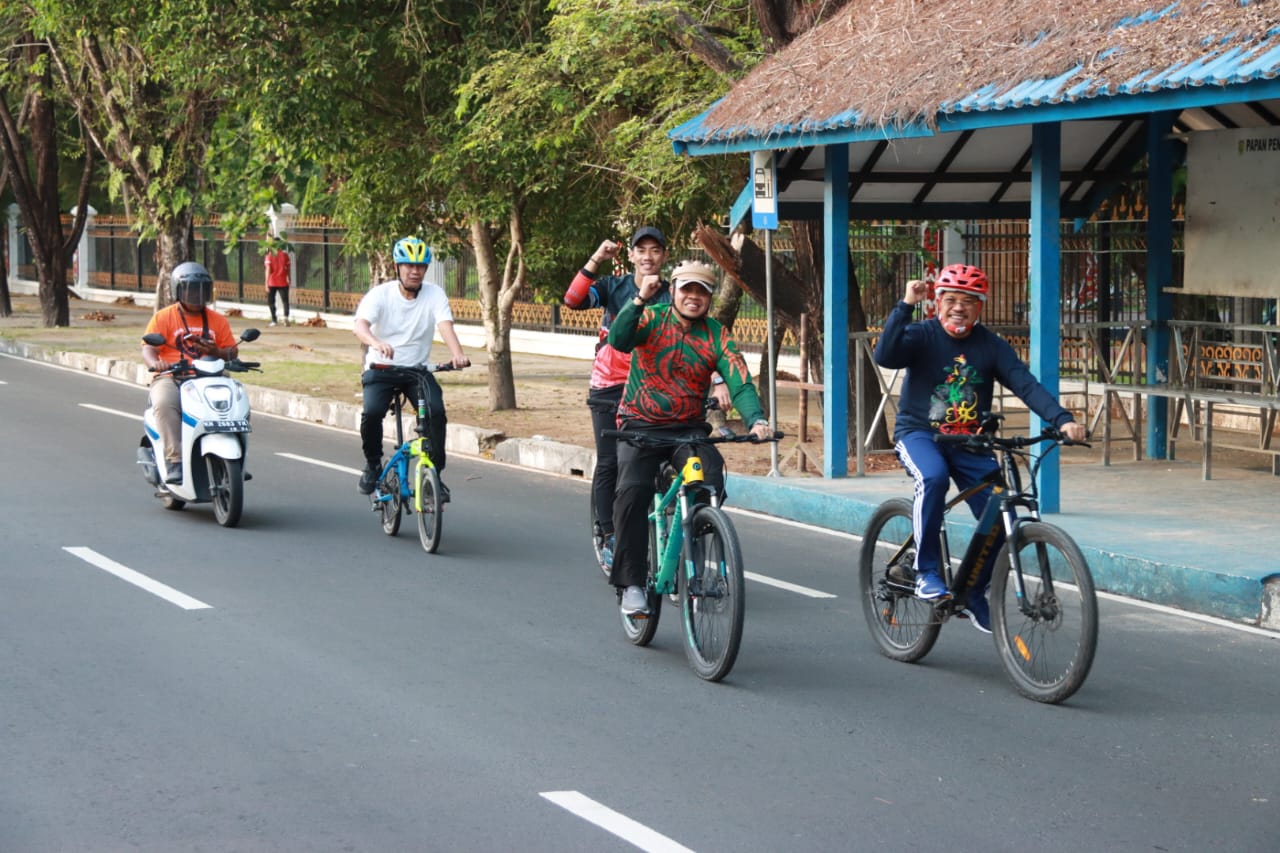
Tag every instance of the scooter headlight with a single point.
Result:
(218, 397)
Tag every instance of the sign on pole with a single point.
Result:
(764, 204)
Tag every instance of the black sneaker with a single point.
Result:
(444, 493)
(368, 479)
(175, 473)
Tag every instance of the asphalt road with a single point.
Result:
(306, 683)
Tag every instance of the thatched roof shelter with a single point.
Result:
(892, 63)
(936, 98)
(972, 109)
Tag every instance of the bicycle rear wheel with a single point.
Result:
(597, 536)
(713, 601)
(640, 629)
(904, 627)
(427, 496)
(1046, 643)
(393, 505)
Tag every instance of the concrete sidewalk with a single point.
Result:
(1152, 530)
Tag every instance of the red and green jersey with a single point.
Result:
(671, 366)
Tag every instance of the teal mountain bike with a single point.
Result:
(694, 556)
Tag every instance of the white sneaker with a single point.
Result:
(272, 323)
(634, 601)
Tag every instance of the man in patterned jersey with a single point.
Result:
(674, 350)
(952, 363)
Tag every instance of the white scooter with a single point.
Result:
(215, 433)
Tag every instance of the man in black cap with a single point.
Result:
(589, 289)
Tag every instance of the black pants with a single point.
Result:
(637, 469)
(603, 403)
(379, 387)
(283, 293)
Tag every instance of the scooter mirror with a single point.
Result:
(154, 339)
(249, 335)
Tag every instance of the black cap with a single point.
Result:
(651, 232)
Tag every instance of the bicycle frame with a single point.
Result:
(415, 448)
(670, 541)
(1008, 495)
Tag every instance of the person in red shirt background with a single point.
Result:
(276, 262)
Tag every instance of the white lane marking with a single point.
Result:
(618, 824)
(787, 522)
(789, 587)
(138, 579)
(320, 462)
(1186, 614)
(1109, 596)
(758, 578)
(132, 415)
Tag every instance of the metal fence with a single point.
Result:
(1103, 273)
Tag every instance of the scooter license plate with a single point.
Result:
(226, 426)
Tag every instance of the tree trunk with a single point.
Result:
(6, 304)
(172, 248)
(497, 331)
(29, 143)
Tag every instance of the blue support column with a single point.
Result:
(835, 322)
(1159, 275)
(1046, 287)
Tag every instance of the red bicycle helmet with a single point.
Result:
(962, 278)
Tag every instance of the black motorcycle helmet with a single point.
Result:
(191, 284)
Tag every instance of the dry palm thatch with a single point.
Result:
(896, 62)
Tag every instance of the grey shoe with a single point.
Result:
(634, 601)
(175, 473)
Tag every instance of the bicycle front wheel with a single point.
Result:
(1046, 641)
(392, 506)
(426, 490)
(904, 627)
(713, 600)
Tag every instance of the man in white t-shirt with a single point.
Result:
(396, 321)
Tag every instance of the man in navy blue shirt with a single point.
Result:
(952, 364)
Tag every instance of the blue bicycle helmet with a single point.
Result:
(411, 250)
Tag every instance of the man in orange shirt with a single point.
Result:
(191, 331)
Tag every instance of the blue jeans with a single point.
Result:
(934, 466)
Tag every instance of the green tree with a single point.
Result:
(148, 82)
(29, 146)
(562, 140)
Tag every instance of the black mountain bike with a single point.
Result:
(1044, 612)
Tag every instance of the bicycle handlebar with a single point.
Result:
(988, 440)
(644, 438)
(442, 367)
